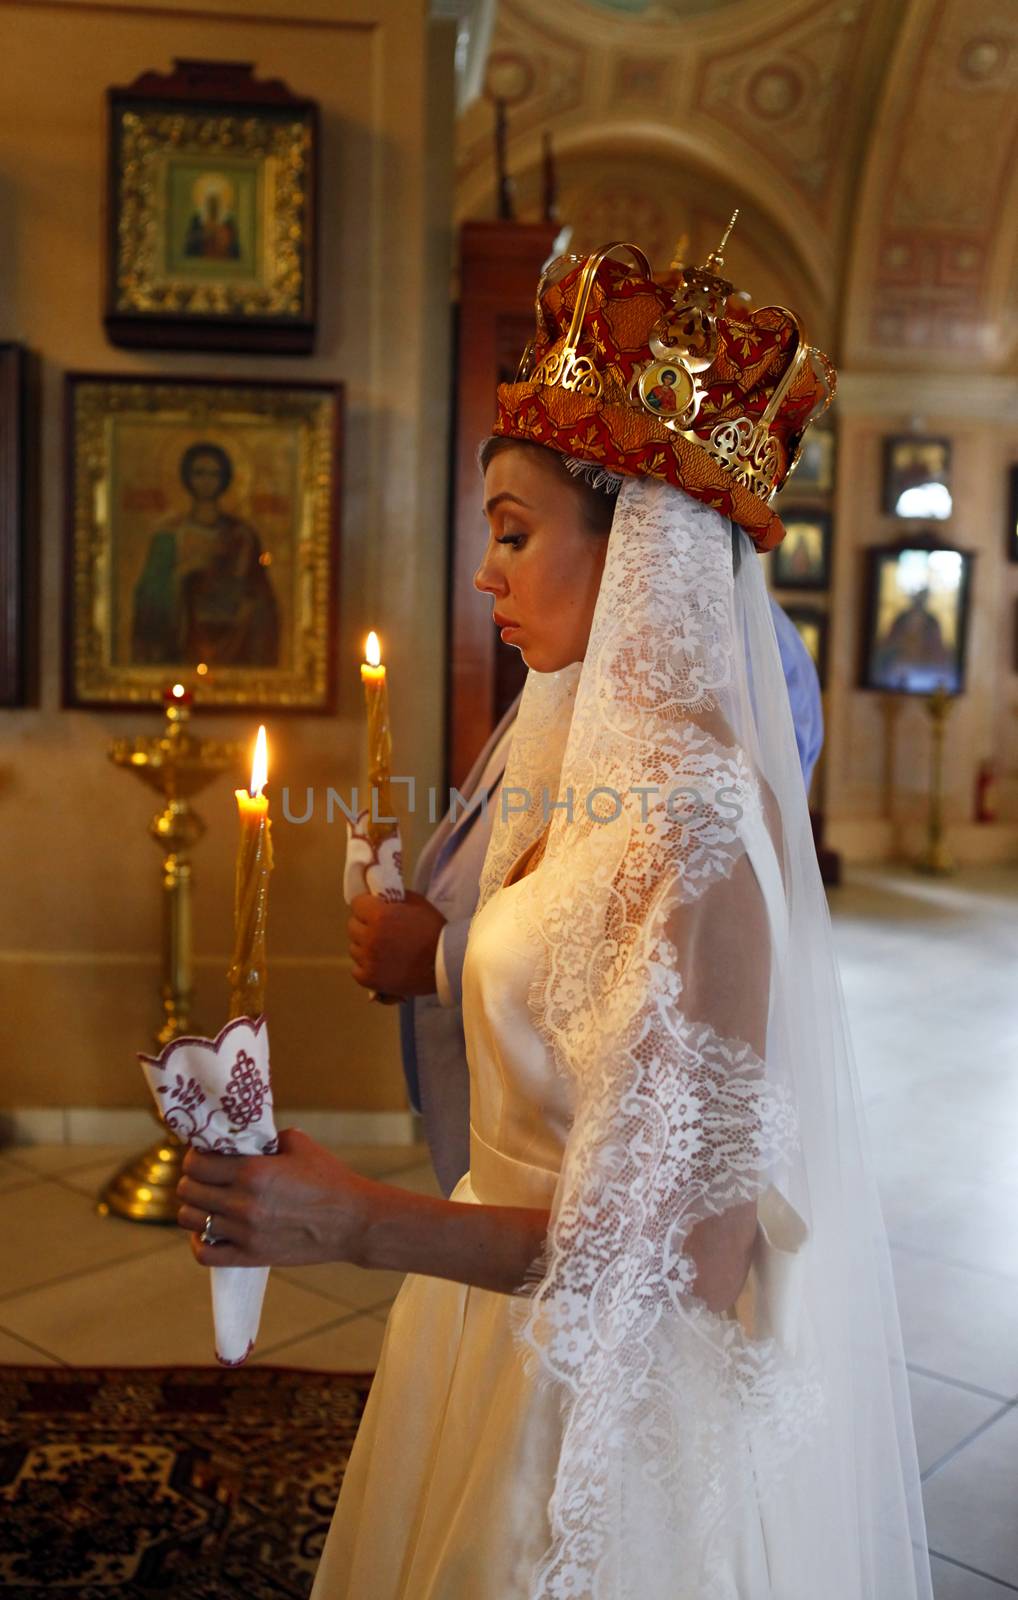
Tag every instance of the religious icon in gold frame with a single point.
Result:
(917, 478)
(803, 558)
(211, 211)
(916, 620)
(202, 541)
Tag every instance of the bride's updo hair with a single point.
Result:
(596, 490)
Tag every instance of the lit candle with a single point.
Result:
(254, 863)
(376, 696)
(175, 694)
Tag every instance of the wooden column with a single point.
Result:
(500, 263)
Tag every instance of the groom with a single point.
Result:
(416, 948)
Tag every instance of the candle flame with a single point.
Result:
(178, 691)
(373, 650)
(260, 765)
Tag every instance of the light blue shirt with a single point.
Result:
(803, 691)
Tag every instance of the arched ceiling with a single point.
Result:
(870, 143)
(935, 248)
(676, 200)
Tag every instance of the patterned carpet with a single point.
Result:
(192, 1483)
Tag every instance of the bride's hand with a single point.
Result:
(301, 1206)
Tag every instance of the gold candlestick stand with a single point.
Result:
(937, 859)
(179, 766)
(891, 707)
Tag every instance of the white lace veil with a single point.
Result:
(687, 991)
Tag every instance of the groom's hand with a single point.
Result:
(393, 943)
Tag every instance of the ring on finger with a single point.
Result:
(207, 1236)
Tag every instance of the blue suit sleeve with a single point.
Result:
(803, 691)
(454, 948)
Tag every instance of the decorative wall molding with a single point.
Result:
(934, 251)
(785, 90)
(89, 1125)
(974, 396)
(152, 960)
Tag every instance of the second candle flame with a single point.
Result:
(260, 764)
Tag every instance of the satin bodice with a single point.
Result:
(520, 1107)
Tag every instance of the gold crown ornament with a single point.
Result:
(677, 380)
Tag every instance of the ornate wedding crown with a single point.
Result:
(669, 380)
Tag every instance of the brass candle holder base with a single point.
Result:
(936, 859)
(178, 766)
(145, 1188)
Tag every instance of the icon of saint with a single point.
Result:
(212, 229)
(913, 652)
(663, 394)
(205, 593)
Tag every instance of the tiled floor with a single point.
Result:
(79, 1289)
(930, 970)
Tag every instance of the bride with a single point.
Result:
(649, 1346)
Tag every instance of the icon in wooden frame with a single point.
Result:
(803, 558)
(916, 618)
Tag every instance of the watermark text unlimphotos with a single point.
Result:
(602, 804)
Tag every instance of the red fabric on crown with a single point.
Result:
(754, 350)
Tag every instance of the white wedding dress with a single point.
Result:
(446, 1492)
(656, 1036)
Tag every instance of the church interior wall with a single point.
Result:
(80, 940)
(877, 762)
